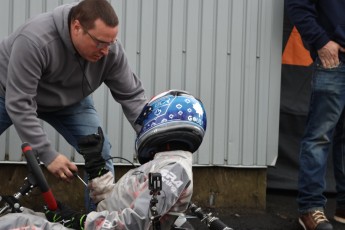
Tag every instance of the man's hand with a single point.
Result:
(66, 216)
(62, 168)
(90, 147)
(329, 54)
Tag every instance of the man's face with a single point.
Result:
(93, 44)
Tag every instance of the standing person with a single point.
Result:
(50, 66)
(173, 127)
(321, 25)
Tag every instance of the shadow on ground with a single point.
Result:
(280, 214)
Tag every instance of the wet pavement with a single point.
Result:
(280, 214)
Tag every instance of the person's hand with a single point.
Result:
(90, 147)
(66, 216)
(62, 168)
(328, 54)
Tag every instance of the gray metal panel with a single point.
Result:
(6, 26)
(226, 52)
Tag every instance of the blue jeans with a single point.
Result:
(71, 122)
(325, 126)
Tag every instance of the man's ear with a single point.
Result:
(75, 26)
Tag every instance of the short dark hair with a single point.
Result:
(88, 11)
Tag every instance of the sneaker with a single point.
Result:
(340, 215)
(315, 220)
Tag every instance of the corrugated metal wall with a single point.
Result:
(226, 52)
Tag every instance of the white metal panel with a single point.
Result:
(273, 38)
(131, 41)
(146, 44)
(226, 52)
(14, 148)
(161, 71)
(263, 56)
(3, 147)
(206, 78)
(191, 49)
(19, 13)
(221, 95)
(235, 84)
(250, 93)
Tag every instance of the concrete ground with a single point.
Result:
(280, 214)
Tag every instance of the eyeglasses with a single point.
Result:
(99, 43)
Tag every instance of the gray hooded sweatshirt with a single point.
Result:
(40, 71)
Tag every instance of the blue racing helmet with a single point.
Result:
(172, 120)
